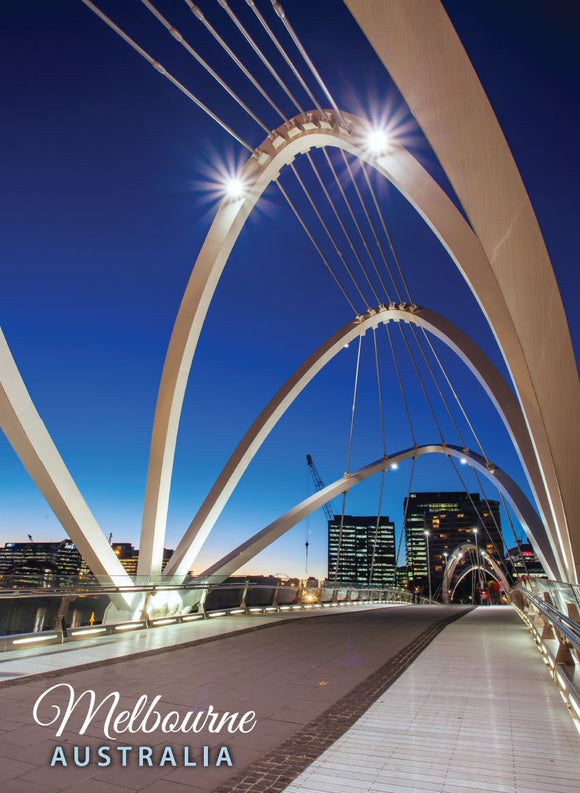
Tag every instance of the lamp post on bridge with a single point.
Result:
(428, 564)
(479, 577)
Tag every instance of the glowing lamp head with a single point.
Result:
(235, 188)
(394, 467)
(377, 141)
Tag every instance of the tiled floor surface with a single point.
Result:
(477, 712)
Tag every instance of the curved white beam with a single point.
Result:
(465, 573)
(32, 443)
(413, 181)
(511, 491)
(498, 390)
(453, 561)
(424, 56)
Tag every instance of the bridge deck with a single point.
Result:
(476, 705)
(476, 712)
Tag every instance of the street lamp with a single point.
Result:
(479, 577)
(428, 565)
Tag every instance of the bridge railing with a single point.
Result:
(36, 617)
(551, 610)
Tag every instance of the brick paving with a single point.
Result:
(290, 674)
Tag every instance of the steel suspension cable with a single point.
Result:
(403, 528)
(286, 57)
(282, 14)
(235, 19)
(198, 14)
(355, 221)
(380, 393)
(369, 221)
(448, 409)
(506, 510)
(348, 453)
(452, 419)
(455, 395)
(179, 38)
(388, 237)
(401, 387)
(438, 387)
(422, 384)
(163, 71)
(490, 510)
(339, 253)
(335, 211)
(315, 244)
(372, 565)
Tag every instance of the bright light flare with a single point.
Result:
(235, 188)
(378, 141)
(394, 467)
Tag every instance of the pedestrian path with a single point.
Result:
(20, 663)
(476, 712)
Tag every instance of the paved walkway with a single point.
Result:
(58, 657)
(289, 673)
(476, 712)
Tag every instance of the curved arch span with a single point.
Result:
(438, 211)
(490, 378)
(453, 561)
(464, 574)
(518, 500)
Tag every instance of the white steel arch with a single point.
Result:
(31, 441)
(423, 54)
(518, 500)
(413, 181)
(454, 560)
(497, 389)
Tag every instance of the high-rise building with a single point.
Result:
(47, 564)
(42, 564)
(367, 550)
(522, 560)
(450, 518)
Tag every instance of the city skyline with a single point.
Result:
(105, 214)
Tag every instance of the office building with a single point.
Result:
(42, 564)
(361, 553)
(450, 518)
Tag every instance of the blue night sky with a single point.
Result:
(107, 177)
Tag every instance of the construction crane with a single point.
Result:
(327, 508)
(318, 486)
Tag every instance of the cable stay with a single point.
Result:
(316, 246)
(235, 19)
(163, 71)
(282, 14)
(180, 39)
(284, 54)
(348, 453)
(198, 14)
(337, 249)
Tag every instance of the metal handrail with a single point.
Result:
(558, 639)
(567, 626)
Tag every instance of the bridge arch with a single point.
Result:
(480, 365)
(424, 194)
(454, 560)
(518, 500)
